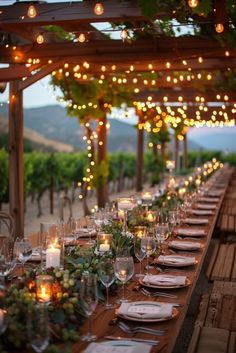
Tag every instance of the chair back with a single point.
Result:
(6, 226)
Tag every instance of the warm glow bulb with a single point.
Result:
(81, 38)
(219, 27)
(40, 39)
(98, 9)
(192, 3)
(32, 12)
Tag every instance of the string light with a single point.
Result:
(40, 39)
(192, 3)
(98, 9)
(32, 12)
(219, 27)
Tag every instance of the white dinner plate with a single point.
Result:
(175, 264)
(125, 346)
(179, 245)
(196, 220)
(132, 318)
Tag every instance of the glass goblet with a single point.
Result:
(38, 327)
(124, 270)
(106, 274)
(89, 300)
(22, 250)
(149, 246)
(140, 252)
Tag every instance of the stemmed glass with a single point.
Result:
(106, 274)
(124, 269)
(148, 244)
(7, 259)
(172, 221)
(162, 233)
(125, 204)
(140, 252)
(38, 327)
(22, 250)
(89, 300)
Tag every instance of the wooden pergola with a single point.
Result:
(152, 54)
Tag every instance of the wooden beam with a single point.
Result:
(40, 74)
(16, 155)
(71, 13)
(13, 73)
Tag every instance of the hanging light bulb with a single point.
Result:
(81, 38)
(124, 34)
(40, 39)
(32, 12)
(192, 3)
(219, 27)
(98, 8)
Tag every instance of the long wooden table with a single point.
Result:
(103, 322)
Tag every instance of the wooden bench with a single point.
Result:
(222, 265)
(215, 327)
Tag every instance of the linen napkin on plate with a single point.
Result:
(120, 346)
(165, 280)
(202, 212)
(176, 260)
(191, 232)
(146, 310)
(196, 220)
(209, 199)
(185, 245)
(204, 206)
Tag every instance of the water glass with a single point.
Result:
(106, 274)
(149, 246)
(38, 327)
(22, 250)
(89, 300)
(7, 259)
(124, 270)
(140, 252)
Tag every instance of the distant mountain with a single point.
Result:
(53, 123)
(222, 139)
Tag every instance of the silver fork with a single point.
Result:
(137, 329)
(157, 294)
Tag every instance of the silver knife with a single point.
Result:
(119, 338)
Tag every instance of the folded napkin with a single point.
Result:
(209, 199)
(202, 212)
(215, 193)
(146, 310)
(165, 280)
(192, 232)
(196, 220)
(119, 346)
(176, 259)
(204, 206)
(184, 245)
(85, 232)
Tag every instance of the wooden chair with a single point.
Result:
(6, 226)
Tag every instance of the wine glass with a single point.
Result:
(91, 224)
(38, 327)
(172, 221)
(22, 250)
(106, 274)
(7, 259)
(124, 269)
(149, 246)
(140, 252)
(89, 300)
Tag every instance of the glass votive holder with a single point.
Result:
(150, 216)
(140, 231)
(44, 288)
(104, 242)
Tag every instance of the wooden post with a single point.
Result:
(16, 158)
(102, 158)
(140, 152)
(185, 151)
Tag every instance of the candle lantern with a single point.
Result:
(146, 198)
(125, 204)
(44, 287)
(104, 242)
(52, 245)
(170, 165)
(140, 231)
(150, 216)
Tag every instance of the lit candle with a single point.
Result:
(104, 247)
(147, 195)
(172, 183)
(43, 294)
(182, 191)
(125, 204)
(150, 217)
(122, 275)
(53, 257)
(198, 182)
(121, 214)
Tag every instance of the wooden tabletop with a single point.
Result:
(103, 322)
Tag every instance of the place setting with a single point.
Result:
(165, 281)
(191, 232)
(176, 260)
(185, 245)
